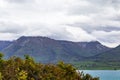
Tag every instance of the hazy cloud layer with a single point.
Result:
(19, 1)
(74, 20)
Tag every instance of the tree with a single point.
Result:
(1, 56)
(16, 68)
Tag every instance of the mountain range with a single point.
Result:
(47, 50)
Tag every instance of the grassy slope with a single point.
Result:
(90, 65)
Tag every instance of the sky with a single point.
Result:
(72, 20)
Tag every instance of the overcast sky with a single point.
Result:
(74, 20)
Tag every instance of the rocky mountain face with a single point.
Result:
(47, 50)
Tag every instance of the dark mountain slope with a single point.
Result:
(111, 55)
(93, 48)
(49, 50)
(4, 44)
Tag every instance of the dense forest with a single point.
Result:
(16, 68)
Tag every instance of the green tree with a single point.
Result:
(17, 68)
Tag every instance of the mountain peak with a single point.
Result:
(38, 38)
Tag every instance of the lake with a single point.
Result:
(104, 74)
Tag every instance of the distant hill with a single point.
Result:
(110, 55)
(46, 50)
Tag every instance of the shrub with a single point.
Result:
(16, 68)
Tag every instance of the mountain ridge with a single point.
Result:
(110, 55)
(45, 49)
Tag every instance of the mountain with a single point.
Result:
(4, 44)
(46, 50)
(93, 48)
(110, 55)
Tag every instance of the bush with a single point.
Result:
(16, 68)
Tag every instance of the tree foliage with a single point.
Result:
(16, 68)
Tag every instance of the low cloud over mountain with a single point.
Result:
(74, 20)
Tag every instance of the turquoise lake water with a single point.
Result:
(104, 74)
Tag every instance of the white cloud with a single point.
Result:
(9, 27)
(8, 36)
(76, 20)
(110, 39)
(20, 1)
(78, 34)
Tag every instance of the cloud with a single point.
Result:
(111, 26)
(11, 28)
(79, 34)
(19, 1)
(110, 39)
(8, 36)
(75, 20)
